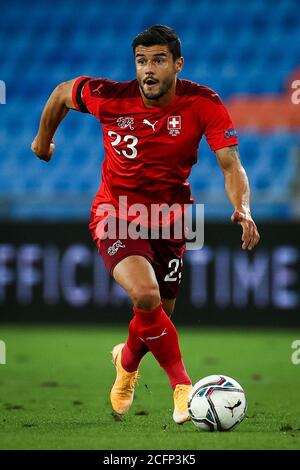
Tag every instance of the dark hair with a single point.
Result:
(159, 34)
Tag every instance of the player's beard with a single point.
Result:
(163, 89)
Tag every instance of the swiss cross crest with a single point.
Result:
(174, 125)
(124, 122)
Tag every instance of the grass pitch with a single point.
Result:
(54, 390)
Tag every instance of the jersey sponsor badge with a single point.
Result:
(124, 122)
(230, 133)
(174, 125)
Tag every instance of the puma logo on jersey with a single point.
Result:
(97, 90)
(112, 250)
(148, 123)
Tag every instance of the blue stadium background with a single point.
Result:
(234, 47)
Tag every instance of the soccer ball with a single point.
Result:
(217, 403)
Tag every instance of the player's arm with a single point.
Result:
(238, 191)
(56, 108)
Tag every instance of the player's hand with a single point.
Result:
(250, 236)
(42, 154)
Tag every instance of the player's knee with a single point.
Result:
(145, 297)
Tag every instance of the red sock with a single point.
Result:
(157, 331)
(133, 351)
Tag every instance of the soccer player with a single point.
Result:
(152, 127)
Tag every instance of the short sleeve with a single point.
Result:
(218, 126)
(90, 94)
(78, 96)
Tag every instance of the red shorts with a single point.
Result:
(165, 256)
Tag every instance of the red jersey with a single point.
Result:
(149, 152)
